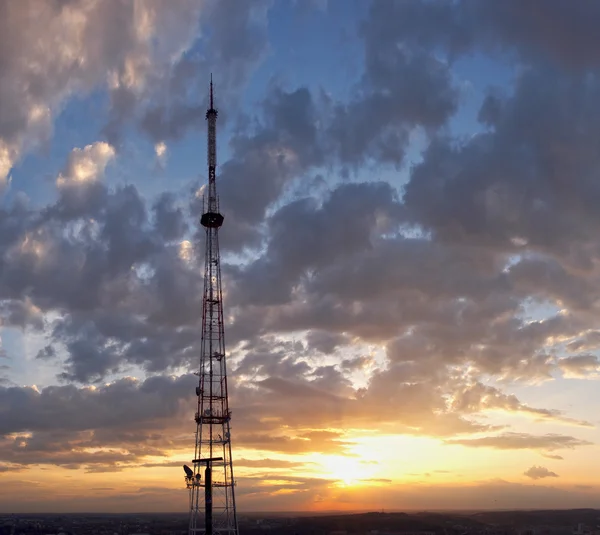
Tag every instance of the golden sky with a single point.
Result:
(410, 258)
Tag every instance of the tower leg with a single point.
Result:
(208, 500)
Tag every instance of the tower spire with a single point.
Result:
(212, 511)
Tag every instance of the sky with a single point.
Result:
(410, 252)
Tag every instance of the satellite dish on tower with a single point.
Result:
(188, 471)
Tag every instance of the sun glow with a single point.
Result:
(349, 471)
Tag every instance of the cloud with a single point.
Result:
(166, 464)
(21, 314)
(477, 397)
(423, 290)
(85, 165)
(270, 463)
(78, 46)
(160, 150)
(539, 472)
(233, 42)
(517, 441)
(302, 130)
(81, 193)
(11, 467)
(453, 195)
(579, 366)
(313, 441)
(103, 428)
(553, 457)
(264, 161)
(326, 342)
(108, 267)
(169, 218)
(563, 35)
(321, 396)
(400, 89)
(307, 237)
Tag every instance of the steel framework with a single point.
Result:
(213, 444)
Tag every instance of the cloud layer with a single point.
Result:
(383, 274)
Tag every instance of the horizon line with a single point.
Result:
(328, 512)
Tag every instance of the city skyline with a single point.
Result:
(410, 253)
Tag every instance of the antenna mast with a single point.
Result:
(212, 510)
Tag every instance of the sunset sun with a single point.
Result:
(348, 471)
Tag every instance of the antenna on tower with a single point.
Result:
(218, 516)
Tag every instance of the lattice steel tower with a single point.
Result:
(213, 445)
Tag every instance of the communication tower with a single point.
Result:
(210, 480)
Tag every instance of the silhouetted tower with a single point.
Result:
(213, 445)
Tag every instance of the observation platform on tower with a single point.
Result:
(212, 418)
(211, 220)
